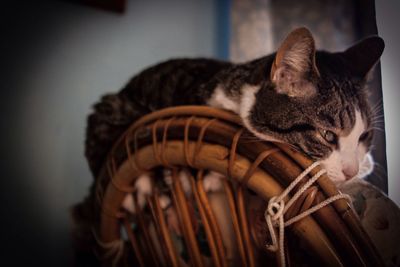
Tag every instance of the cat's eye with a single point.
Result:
(329, 136)
(364, 136)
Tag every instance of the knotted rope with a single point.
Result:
(275, 212)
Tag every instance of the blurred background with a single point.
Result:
(59, 57)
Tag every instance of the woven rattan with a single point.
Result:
(205, 138)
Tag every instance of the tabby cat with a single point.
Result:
(313, 100)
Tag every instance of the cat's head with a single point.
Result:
(317, 102)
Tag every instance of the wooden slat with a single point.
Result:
(244, 226)
(144, 229)
(171, 250)
(213, 222)
(134, 242)
(235, 221)
(180, 202)
(165, 261)
(206, 224)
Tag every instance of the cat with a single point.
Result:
(313, 100)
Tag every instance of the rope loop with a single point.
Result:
(276, 209)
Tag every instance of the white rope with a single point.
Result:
(275, 212)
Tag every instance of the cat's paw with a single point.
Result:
(165, 201)
(184, 177)
(212, 182)
(143, 189)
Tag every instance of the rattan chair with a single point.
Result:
(203, 138)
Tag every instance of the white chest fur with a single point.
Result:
(220, 100)
(241, 106)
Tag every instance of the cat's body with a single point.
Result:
(313, 100)
(171, 83)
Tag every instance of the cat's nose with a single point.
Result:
(350, 171)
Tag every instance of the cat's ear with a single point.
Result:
(294, 66)
(363, 56)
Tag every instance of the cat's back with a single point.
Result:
(170, 83)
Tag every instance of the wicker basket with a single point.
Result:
(204, 138)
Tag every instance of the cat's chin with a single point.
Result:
(336, 178)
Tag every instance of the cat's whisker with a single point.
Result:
(377, 109)
(377, 105)
(378, 125)
(378, 129)
(375, 127)
(377, 117)
(380, 167)
(378, 122)
(380, 100)
(376, 114)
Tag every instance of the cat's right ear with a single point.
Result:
(294, 66)
(364, 55)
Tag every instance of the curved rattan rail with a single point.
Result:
(205, 138)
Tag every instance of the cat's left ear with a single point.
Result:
(294, 68)
(363, 56)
